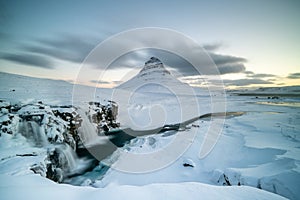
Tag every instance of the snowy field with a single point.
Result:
(256, 157)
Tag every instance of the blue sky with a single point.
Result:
(51, 38)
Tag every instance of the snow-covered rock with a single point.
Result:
(54, 131)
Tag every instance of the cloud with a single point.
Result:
(294, 76)
(100, 82)
(220, 59)
(75, 48)
(117, 82)
(202, 80)
(29, 59)
(246, 82)
(212, 47)
(66, 47)
(261, 75)
(280, 84)
(231, 68)
(248, 72)
(225, 63)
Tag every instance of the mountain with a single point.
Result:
(154, 97)
(287, 91)
(154, 77)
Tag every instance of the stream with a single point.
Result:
(118, 138)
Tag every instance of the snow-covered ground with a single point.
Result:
(36, 187)
(257, 152)
(259, 148)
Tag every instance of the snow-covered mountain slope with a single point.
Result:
(154, 77)
(17, 88)
(23, 88)
(154, 97)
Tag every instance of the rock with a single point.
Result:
(187, 165)
(154, 64)
(227, 178)
(187, 162)
(86, 182)
(39, 168)
(43, 125)
(104, 116)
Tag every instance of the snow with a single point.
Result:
(35, 187)
(154, 97)
(258, 148)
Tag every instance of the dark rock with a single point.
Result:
(226, 180)
(104, 116)
(187, 165)
(27, 154)
(39, 169)
(4, 129)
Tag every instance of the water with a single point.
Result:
(33, 131)
(67, 157)
(289, 104)
(87, 130)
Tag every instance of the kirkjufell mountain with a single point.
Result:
(142, 99)
(154, 65)
(154, 77)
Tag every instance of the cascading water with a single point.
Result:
(32, 130)
(87, 130)
(64, 161)
(66, 158)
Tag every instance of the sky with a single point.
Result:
(253, 43)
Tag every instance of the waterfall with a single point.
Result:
(32, 130)
(69, 162)
(87, 130)
(67, 158)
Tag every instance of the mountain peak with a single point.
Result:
(153, 65)
(153, 60)
(153, 72)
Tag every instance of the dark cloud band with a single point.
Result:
(29, 59)
(294, 76)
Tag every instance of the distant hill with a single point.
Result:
(292, 91)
